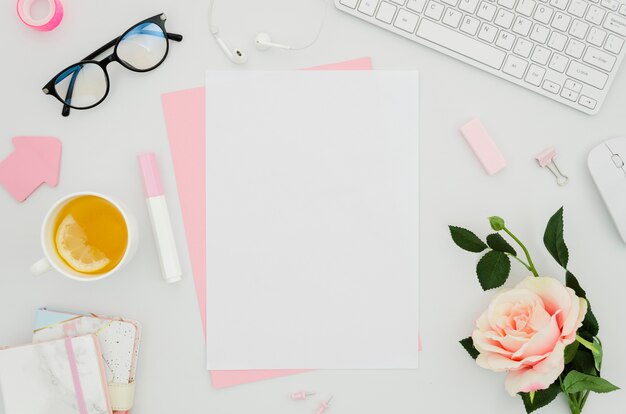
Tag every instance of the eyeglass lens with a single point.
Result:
(143, 47)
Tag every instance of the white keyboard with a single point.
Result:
(567, 50)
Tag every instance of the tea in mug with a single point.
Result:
(90, 235)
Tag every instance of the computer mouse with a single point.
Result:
(607, 166)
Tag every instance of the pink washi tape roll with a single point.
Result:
(51, 21)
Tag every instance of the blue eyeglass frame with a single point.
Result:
(73, 70)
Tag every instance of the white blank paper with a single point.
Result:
(312, 220)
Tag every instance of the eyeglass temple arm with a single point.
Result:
(66, 108)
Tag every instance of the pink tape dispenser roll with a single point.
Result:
(50, 22)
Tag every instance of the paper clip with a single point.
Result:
(547, 160)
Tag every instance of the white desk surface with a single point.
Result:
(99, 154)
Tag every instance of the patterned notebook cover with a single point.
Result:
(119, 342)
(64, 376)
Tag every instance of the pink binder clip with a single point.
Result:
(547, 160)
(325, 405)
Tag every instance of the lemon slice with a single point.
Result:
(71, 242)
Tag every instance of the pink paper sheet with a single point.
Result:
(185, 121)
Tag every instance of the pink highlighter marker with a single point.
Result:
(160, 218)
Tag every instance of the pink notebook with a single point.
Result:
(185, 120)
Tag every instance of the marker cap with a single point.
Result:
(151, 176)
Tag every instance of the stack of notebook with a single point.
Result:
(78, 363)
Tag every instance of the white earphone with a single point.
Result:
(262, 41)
(235, 55)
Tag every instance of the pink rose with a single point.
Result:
(525, 330)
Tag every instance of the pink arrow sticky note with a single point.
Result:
(36, 160)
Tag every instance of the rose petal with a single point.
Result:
(540, 376)
(543, 341)
(540, 318)
(485, 345)
(552, 292)
(509, 342)
(572, 320)
(502, 304)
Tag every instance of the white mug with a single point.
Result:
(51, 259)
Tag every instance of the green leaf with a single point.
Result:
(497, 223)
(497, 243)
(541, 397)
(570, 352)
(578, 382)
(584, 362)
(572, 282)
(467, 240)
(590, 324)
(597, 354)
(553, 239)
(493, 270)
(468, 344)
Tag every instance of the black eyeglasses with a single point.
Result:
(85, 84)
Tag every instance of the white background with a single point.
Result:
(99, 154)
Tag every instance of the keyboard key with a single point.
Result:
(575, 48)
(540, 33)
(535, 75)
(595, 15)
(615, 23)
(559, 4)
(578, 8)
(416, 5)
(509, 4)
(434, 10)
(368, 7)
(579, 29)
(558, 63)
(523, 47)
(526, 7)
(406, 21)
(486, 11)
(522, 26)
(587, 74)
(515, 66)
(487, 33)
(569, 94)
(400, 2)
(470, 25)
(557, 41)
(610, 4)
(452, 3)
(468, 6)
(561, 21)
(541, 55)
(452, 17)
(550, 86)
(386, 11)
(596, 36)
(505, 40)
(614, 44)
(349, 3)
(543, 14)
(622, 10)
(572, 85)
(504, 18)
(599, 59)
(461, 43)
(587, 102)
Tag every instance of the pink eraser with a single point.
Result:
(483, 146)
(150, 173)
